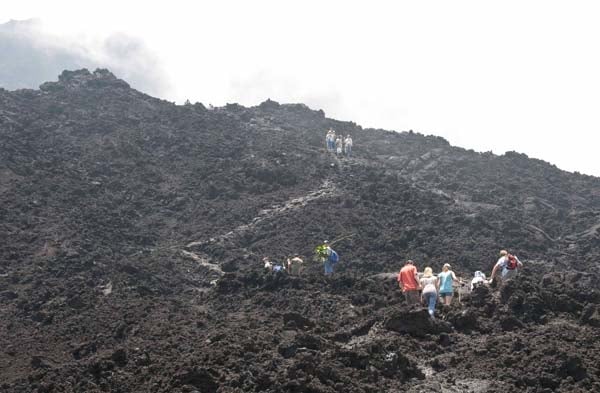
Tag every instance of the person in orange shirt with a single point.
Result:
(409, 282)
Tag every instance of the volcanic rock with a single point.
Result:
(133, 232)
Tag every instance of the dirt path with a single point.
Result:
(327, 189)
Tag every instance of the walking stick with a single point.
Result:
(341, 238)
(460, 290)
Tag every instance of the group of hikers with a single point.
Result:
(293, 265)
(323, 253)
(425, 287)
(428, 287)
(338, 144)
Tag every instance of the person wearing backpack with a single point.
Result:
(332, 259)
(328, 256)
(509, 264)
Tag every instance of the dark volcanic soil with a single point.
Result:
(133, 229)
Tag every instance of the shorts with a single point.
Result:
(446, 294)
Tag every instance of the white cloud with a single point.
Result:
(33, 55)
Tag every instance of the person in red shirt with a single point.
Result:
(409, 282)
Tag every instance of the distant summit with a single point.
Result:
(84, 78)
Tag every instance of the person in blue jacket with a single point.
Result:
(330, 258)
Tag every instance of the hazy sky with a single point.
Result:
(506, 75)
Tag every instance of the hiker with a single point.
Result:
(329, 139)
(333, 138)
(326, 255)
(409, 282)
(338, 145)
(478, 280)
(332, 259)
(268, 263)
(273, 266)
(332, 141)
(430, 285)
(447, 278)
(348, 146)
(294, 265)
(509, 264)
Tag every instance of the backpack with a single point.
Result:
(334, 257)
(511, 262)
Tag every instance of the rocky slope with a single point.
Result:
(133, 231)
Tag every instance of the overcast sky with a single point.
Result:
(499, 76)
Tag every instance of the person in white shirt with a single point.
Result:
(295, 265)
(478, 279)
(329, 140)
(338, 145)
(268, 263)
(348, 146)
(431, 287)
(509, 264)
